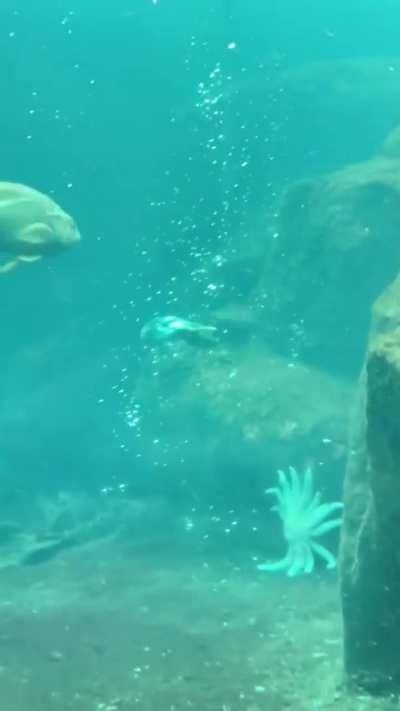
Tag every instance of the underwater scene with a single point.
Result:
(200, 355)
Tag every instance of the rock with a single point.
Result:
(338, 248)
(338, 91)
(370, 545)
(225, 422)
(329, 96)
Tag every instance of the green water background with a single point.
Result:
(101, 108)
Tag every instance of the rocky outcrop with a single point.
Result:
(331, 96)
(337, 248)
(370, 546)
(226, 417)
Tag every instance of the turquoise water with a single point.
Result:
(171, 132)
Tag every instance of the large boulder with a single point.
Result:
(331, 95)
(370, 545)
(337, 248)
(219, 422)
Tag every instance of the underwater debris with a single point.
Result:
(32, 225)
(165, 328)
(304, 518)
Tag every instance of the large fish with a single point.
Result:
(32, 225)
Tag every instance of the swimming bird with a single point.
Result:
(166, 328)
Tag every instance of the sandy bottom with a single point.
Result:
(107, 627)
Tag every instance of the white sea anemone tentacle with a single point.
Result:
(304, 518)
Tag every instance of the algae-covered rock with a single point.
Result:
(338, 248)
(370, 559)
(232, 415)
(342, 88)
